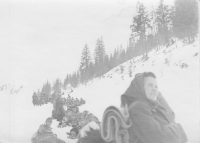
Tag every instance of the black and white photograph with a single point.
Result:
(99, 71)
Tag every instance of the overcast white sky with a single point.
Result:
(43, 39)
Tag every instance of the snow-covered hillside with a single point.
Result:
(177, 71)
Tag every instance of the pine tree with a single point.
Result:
(130, 49)
(163, 21)
(99, 56)
(91, 70)
(122, 55)
(57, 86)
(84, 64)
(154, 29)
(107, 65)
(48, 88)
(66, 82)
(112, 61)
(75, 79)
(70, 78)
(60, 84)
(115, 57)
(140, 28)
(43, 89)
(185, 20)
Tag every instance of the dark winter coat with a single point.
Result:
(53, 97)
(59, 111)
(152, 122)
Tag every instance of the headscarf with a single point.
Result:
(136, 92)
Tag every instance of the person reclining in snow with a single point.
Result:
(153, 121)
(45, 134)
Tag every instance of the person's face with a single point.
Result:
(150, 87)
(73, 133)
(49, 123)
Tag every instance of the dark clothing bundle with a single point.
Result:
(58, 110)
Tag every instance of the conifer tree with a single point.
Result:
(75, 79)
(140, 28)
(66, 82)
(185, 20)
(48, 88)
(84, 64)
(56, 87)
(112, 61)
(99, 56)
(163, 22)
(107, 65)
(122, 55)
(91, 70)
(130, 49)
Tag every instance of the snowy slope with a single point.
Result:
(179, 85)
